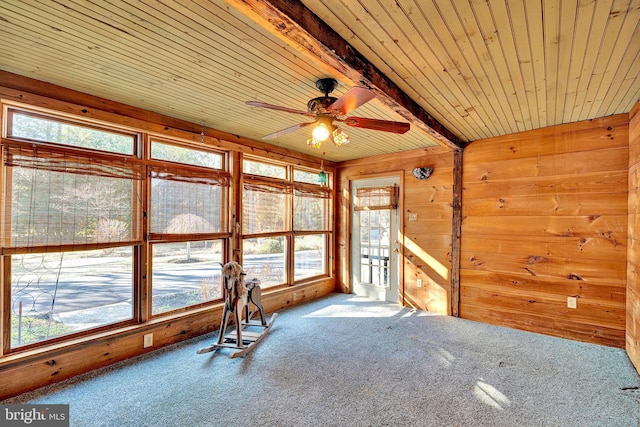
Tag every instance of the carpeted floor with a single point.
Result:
(350, 361)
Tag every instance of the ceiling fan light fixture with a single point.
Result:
(320, 132)
(340, 137)
(327, 109)
(315, 143)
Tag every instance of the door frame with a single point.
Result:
(398, 241)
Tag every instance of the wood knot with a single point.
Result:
(51, 362)
(533, 259)
(574, 277)
(476, 262)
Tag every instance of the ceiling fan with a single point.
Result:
(327, 109)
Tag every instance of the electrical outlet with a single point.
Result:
(294, 297)
(148, 341)
(419, 283)
(572, 302)
(413, 217)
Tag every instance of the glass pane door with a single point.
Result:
(374, 225)
(374, 247)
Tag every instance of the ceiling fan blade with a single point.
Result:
(355, 97)
(375, 124)
(286, 130)
(279, 108)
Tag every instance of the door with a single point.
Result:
(374, 231)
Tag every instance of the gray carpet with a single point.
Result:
(349, 361)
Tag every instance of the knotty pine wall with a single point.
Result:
(426, 244)
(633, 254)
(545, 217)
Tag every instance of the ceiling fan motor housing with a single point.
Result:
(321, 104)
(326, 85)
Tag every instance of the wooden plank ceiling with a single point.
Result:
(470, 69)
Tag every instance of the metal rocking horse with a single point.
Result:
(238, 294)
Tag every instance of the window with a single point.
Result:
(60, 197)
(60, 293)
(186, 274)
(310, 256)
(265, 258)
(174, 153)
(37, 127)
(311, 206)
(74, 208)
(264, 206)
(73, 225)
(188, 226)
(106, 227)
(285, 223)
(254, 167)
(306, 176)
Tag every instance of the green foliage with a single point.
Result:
(175, 153)
(271, 246)
(264, 169)
(306, 243)
(35, 329)
(44, 129)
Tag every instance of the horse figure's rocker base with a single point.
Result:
(238, 294)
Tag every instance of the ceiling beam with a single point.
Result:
(293, 22)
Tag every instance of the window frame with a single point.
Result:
(10, 109)
(141, 246)
(289, 187)
(199, 173)
(56, 149)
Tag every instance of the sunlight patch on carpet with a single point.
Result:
(490, 395)
(348, 310)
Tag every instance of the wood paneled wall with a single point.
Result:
(426, 247)
(545, 218)
(633, 253)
